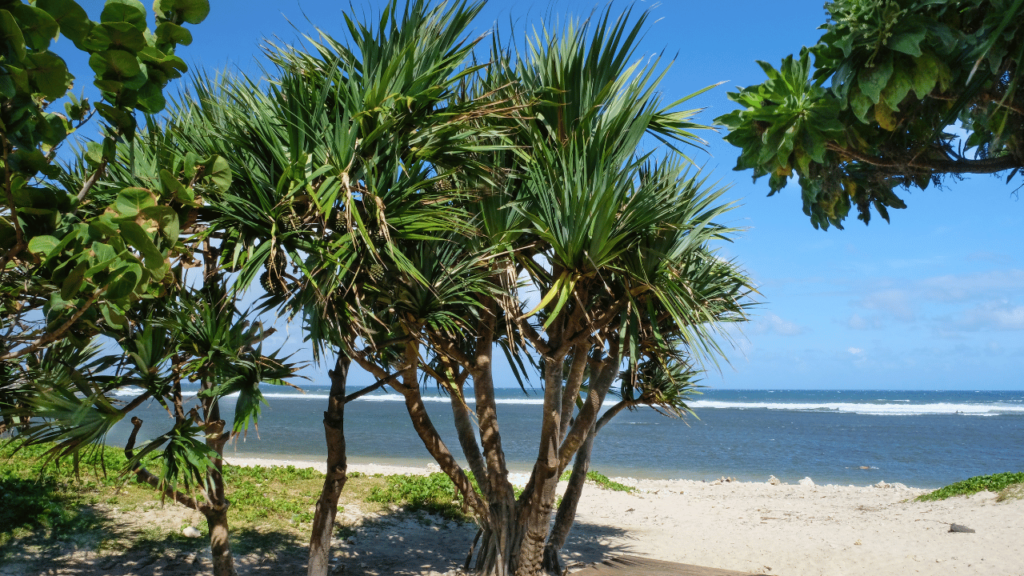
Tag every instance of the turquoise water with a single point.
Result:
(922, 439)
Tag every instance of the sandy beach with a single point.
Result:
(757, 527)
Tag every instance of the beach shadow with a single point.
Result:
(403, 543)
(412, 543)
(589, 542)
(398, 542)
(94, 544)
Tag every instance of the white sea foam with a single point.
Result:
(903, 408)
(868, 409)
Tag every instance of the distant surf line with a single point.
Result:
(899, 407)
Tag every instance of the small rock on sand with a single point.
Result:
(774, 481)
(961, 529)
(807, 481)
(191, 532)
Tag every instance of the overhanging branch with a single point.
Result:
(935, 166)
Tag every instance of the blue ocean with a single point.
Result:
(920, 438)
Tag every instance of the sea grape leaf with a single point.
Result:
(166, 218)
(123, 281)
(899, 86)
(908, 42)
(71, 19)
(129, 11)
(37, 26)
(873, 80)
(191, 11)
(73, 281)
(172, 33)
(120, 62)
(49, 73)
(124, 36)
(926, 74)
(113, 318)
(131, 201)
(42, 244)
(151, 98)
(133, 234)
(13, 39)
(219, 172)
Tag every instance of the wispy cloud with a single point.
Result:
(770, 323)
(858, 322)
(894, 302)
(993, 315)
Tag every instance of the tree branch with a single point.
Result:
(375, 386)
(57, 334)
(88, 184)
(983, 166)
(144, 475)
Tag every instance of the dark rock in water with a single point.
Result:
(961, 528)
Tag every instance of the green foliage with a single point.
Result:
(876, 111)
(601, 480)
(433, 493)
(991, 483)
(79, 253)
(37, 495)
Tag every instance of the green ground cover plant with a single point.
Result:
(601, 480)
(991, 483)
(43, 503)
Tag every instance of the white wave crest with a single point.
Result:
(868, 409)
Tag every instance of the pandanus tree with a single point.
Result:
(419, 199)
(337, 162)
(612, 240)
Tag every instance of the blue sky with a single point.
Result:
(934, 300)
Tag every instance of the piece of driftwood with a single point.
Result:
(637, 566)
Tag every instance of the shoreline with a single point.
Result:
(519, 477)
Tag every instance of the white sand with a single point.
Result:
(790, 530)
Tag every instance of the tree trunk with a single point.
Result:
(536, 502)
(220, 546)
(566, 515)
(428, 433)
(337, 468)
(216, 511)
(467, 439)
(501, 531)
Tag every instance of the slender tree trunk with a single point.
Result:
(467, 439)
(217, 511)
(220, 546)
(566, 515)
(572, 388)
(337, 468)
(539, 496)
(428, 433)
(500, 531)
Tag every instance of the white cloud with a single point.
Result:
(957, 288)
(993, 315)
(775, 325)
(858, 322)
(894, 302)
(855, 351)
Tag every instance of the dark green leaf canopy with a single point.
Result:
(891, 83)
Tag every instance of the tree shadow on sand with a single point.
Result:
(407, 544)
(94, 544)
(398, 542)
